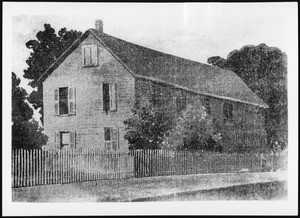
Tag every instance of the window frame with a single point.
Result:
(69, 101)
(157, 96)
(93, 55)
(109, 97)
(61, 138)
(60, 100)
(181, 103)
(228, 109)
(207, 102)
(112, 140)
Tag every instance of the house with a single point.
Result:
(91, 89)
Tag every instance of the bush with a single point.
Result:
(28, 135)
(147, 127)
(194, 130)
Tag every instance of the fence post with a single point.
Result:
(261, 161)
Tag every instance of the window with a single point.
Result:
(109, 97)
(64, 101)
(228, 112)
(207, 106)
(157, 96)
(181, 102)
(89, 55)
(111, 138)
(65, 138)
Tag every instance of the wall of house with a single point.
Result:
(246, 132)
(90, 119)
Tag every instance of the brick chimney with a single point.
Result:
(99, 25)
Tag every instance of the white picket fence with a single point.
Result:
(42, 167)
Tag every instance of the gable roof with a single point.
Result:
(157, 66)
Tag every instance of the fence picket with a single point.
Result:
(97, 165)
(41, 167)
(73, 166)
(70, 165)
(61, 166)
(13, 173)
(24, 167)
(33, 167)
(20, 167)
(16, 157)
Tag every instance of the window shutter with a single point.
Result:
(72, 97)
(57, 139)
(94, 55)
(115, 138)
(56, 102)
(113, 97)
(72, 139)
(83, 55)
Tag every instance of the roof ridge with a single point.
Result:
(149, 63)
(143, 47)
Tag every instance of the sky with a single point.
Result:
(193, 31)
(190, 30)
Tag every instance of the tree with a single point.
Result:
(264, 70)
(20, 109)
(194, 130)
(26, 132)
(147, 127)
(45, 50)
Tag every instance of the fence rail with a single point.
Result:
(42, 167)
(164, 162)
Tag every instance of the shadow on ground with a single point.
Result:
(259, 191)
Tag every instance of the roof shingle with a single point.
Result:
(195, 76)
(180, 72)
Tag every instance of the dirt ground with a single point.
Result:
(137, 188)
(259, 191)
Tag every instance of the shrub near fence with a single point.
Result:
(41, 167)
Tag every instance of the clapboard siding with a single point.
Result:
(248, 121)
(90, 119)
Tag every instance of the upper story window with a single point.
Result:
(228, 112)
(89, 55)
(109, 97)
(64, 101)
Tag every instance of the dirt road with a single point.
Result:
(136, 188)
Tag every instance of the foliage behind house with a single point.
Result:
(26, 132)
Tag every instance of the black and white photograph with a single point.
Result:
(150, 108)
